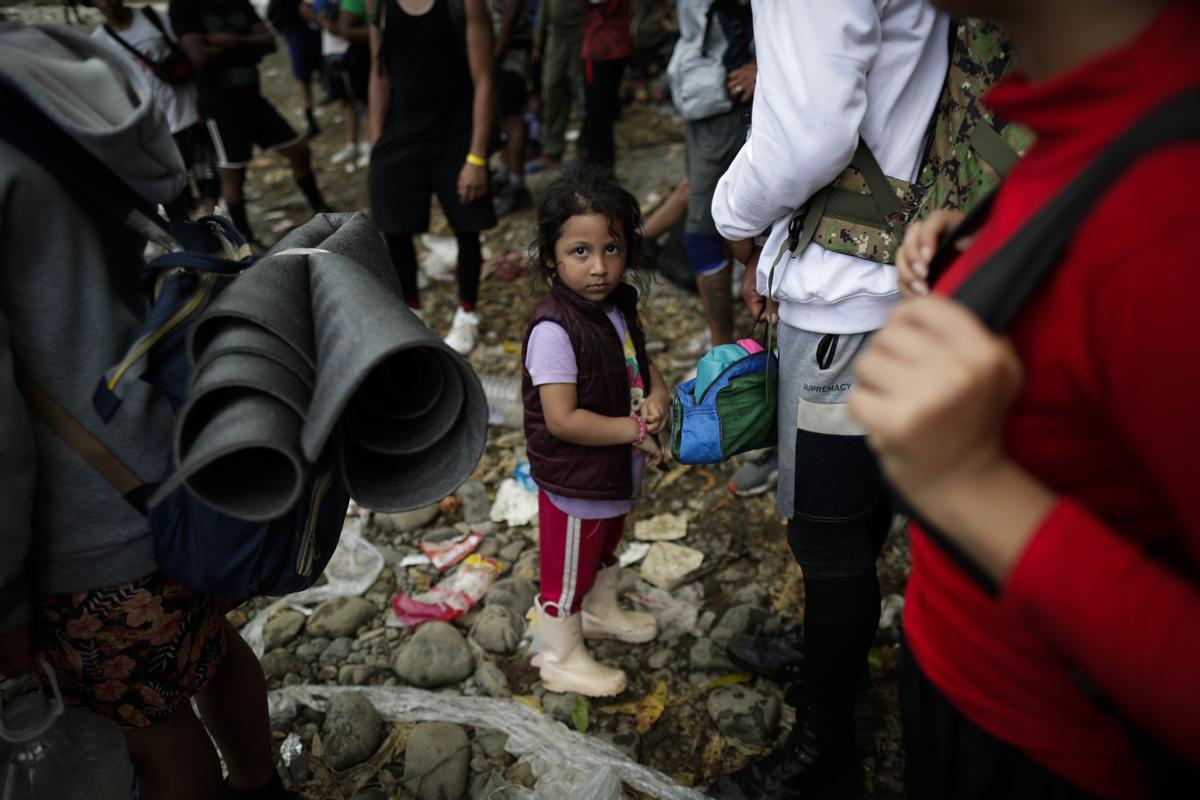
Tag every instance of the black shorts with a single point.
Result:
(511, 94)
(196, 147)
(348, 74)
(406, 174)
(245, 120)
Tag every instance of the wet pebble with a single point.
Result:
(516, 594)
(340, 616)
(278, 663)
(744, 713)
(475, 503)
(498, 629)
(437, 654)
(437, 761)
(352, 730)
(709, 655)
(406, 521)
(282, 628)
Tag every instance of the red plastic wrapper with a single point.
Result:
(451, 598)
(444, 555)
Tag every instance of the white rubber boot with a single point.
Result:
(567, 666)
(603, 618)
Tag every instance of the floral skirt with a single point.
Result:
(135, 652)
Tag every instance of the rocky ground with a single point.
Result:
(687, 712)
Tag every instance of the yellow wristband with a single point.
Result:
(476, 161)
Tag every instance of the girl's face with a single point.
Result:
(588, 257)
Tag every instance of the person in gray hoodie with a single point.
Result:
(79, 586)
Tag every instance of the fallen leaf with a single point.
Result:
(579, 714)
(710, 481)
(729, 680)
(647, 710)
(528, 700)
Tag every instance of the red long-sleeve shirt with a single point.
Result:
(1110, 583)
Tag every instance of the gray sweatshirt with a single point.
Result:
(69, 308)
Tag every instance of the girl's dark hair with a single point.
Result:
(588, 190)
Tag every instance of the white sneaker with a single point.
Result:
(364, 156)
(464, 331)
(344, 153)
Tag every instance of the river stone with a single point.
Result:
(476, 507)
(498, 629)
(278, 663)
(709, 655)
(337, 652)
(561, 706)
(491, 742)
(352, 730)
(437, 760)
(437, 654)
(282, 628)
(491, 680)
(406, 521)
(340, 616)
(311, 649)
(354, 674)
(516, 594)
(527, 566)
(659, 659)
(736, 621)
(745, 713)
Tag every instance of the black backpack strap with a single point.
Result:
(138, 53)
(155, 20)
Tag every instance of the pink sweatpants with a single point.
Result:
(572, 551)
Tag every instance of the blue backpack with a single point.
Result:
(733, 414)
(205, 550)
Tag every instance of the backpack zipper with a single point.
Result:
(206, 281)
(308, 550)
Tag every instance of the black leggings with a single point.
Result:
(842, 517)
(470, 264)
(601, 106)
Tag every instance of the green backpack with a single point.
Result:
(863, 213)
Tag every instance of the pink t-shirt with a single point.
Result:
(550, 358)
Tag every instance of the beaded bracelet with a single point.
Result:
(642, 432)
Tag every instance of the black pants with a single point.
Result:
(948, 757)
(601, 106)
(842, 514)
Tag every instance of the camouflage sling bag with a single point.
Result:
(863, 213)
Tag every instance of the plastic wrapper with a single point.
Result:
(566, 763)
(350, 572)
(515, 505)
(453, 597)
(444, 555)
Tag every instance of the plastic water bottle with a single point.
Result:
(55, 753)
(505, 406)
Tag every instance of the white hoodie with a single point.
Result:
(826, 73)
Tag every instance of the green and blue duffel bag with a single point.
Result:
(734, 413)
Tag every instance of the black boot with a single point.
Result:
(817, 761)
(780, 658)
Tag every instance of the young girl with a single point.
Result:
(593, 404)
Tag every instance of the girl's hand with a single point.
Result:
(653, 452)
(654, 411)
(472, 183)
(920, 240)
(933, 389)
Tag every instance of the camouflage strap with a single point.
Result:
(993, 148)
(881, 191)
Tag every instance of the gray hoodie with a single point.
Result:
(70, 306)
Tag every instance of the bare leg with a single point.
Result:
(350, 120)
(175, 759)
(716, 297)
(670, 212)
(234, 708)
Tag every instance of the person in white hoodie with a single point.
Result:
(828, 75)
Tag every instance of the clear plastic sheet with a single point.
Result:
(567, 763)
(353, 568)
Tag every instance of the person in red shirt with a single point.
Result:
(607, 45)
(1057, 459)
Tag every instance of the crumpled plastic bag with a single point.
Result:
(567, 764)
(350, 572)
(451, 598)
(514, 505)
